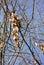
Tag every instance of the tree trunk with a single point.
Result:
(1, 58)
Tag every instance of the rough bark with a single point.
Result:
(0, 58)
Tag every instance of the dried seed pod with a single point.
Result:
(12, 14)
(14, 24)
(42, 47)
(18, 19)
(16, 29)
(15, 37)
(12, 19)
(16, 41)
(1, 45)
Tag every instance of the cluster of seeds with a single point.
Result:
(15, 22)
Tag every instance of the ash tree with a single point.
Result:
(21, 32)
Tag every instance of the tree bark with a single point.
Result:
(1, 58)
